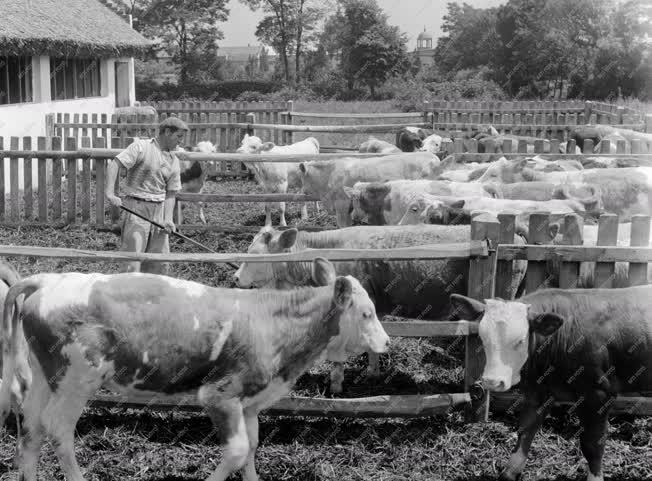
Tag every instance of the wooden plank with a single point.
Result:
(100, 179)
(13, 181)
(377, 406)
(607, 236)
(42, 170)
(71, 179)
(436, 251)
(2, 181)
(640, 236)
(575, 253)
(28, 191)
(239, 229)
(629, 405)
(116, 143)
(569, 272)
(188, 197)
(538, 229)
(481, 286)
(504, 268)
(57, 172)
(86, 183)
(430, 328)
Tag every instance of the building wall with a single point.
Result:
(28, 119)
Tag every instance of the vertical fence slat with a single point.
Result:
(100, 179)
(504, 268)
(71, 180)
(538, 230)
(116, 143)
(569, 272)
(42, 171)
(2, 182)
(607, 236)
(57, 172)
(640, 237)
(481, 286)
(13, 180)
(28, 191)
(86, 182)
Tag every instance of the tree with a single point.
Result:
(288, 26)
(187, 30)
(370, 49)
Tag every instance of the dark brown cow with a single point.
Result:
(148, 336)
(579, 345)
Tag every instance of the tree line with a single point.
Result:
(349, 49)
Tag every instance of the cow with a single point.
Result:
(443, 209)
(327, 179)
(410, 139)
(415, 289)
(560, 165)
(580, 345)
(144, 335)
(626, 191)
(384, 203)
(376, 146)
(193, 177)
(587, 194)
(276, 177)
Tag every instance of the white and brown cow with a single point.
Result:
(580, 345)
(193, 177)
(377, 146)
(413, 289)
(277, 177)
(149, 336)
(384, 203)
(327, 179)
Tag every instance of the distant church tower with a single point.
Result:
(425, 52)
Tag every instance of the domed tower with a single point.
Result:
(424, 40)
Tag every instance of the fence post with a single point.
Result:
(100, 179)
(607, 236)
(648, 123)
(42, 176)
(640, 237)
(538, 231)
(504, 268)
(289, 139)
(28, 191)
(569, 272)
(426, 107)
(482, 272)
(588, 107)
(49, 125)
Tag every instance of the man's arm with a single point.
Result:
(168, 210)
(112, 170)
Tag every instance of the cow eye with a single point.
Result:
(519, 343)
(414, 209)
(366, 314)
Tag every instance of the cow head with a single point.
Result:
(443, 212)
(432, 144)
(272, 274)
(354, 194)
(415, 212)
(409, 141)
(505, 331)
(360, 329)
(250, 144)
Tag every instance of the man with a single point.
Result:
(153, 179)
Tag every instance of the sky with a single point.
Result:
(410, 15)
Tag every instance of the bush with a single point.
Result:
(226, 90)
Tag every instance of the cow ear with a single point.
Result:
(545, 323)
(463, 307)
(302, 167)
(342, 292)
(458, 204)
(323, 272)
(287, 238)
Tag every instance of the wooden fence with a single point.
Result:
(39, 194)
(490, 253)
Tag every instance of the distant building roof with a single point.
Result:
(425, 35)
(73, 28)
(243, 53)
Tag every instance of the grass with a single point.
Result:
(145, 446)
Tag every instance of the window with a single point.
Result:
(74, 78)
(15, 79)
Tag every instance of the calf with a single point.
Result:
(580, 345)
(376, 146)
(193, 178)
(277, 177)
(385, 203)
(149, 336)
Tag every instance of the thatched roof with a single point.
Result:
(73, 28)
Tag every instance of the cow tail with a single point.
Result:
(16, 373)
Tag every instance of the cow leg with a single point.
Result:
(337, 377)
(304, 211)
(251, 423)
(33, 431)
(268, 214)
(202, 217)
(593, 419)
(228, 415)
(531, 419)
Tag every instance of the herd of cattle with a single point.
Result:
(241, 349)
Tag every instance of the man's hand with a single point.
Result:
(169, 226)
(114, 200)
